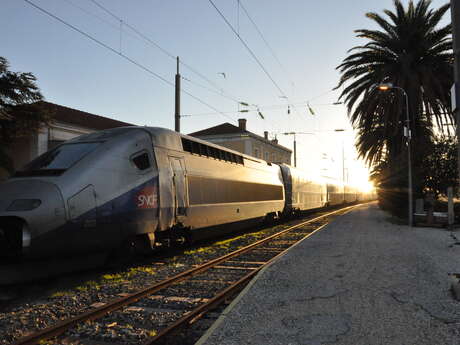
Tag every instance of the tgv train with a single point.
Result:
(145, 186)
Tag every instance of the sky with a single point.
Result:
(294, 49)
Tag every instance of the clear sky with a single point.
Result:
(307, 40)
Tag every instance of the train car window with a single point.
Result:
(187, 145)
(141, 161)
(195, 148)
(209, 151)
(58, 160)
(204, 150)
(212, 152)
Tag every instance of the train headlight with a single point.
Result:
(24, 205)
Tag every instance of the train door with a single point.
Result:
(179, 187)
(83, 217)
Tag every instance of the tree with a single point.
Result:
(412, 52)
(440, 166)
(21, 113)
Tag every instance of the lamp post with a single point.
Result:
(386, 87)
(295, 143)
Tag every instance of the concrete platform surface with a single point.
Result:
(362, 280)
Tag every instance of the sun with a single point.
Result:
(365, 186)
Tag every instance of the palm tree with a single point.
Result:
(411, 52)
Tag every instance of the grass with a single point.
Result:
(106, 279)
(123, 277)
(224, 244)
(60, 294)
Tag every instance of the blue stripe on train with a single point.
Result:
(139, 204)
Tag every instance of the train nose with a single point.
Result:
(28, 209)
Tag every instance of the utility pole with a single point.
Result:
(295, 152)
(455, 12)
(343, 162)
(177, 108)
(295, 144)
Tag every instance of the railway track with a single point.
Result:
(154, 315)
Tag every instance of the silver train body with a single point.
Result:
(144, 186)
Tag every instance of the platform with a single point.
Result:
(362, 280)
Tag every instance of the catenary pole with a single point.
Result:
(177, 107)
(295, 152)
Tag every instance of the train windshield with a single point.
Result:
(58, 160)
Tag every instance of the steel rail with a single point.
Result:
(198, 312)
(118, 303)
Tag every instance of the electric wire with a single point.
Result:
(266, 42)
(249, 50)
(254, 56)
(113, 26)
(164, 51)
(123, 56)
(209, 89)
(273, 107)
(220, 91)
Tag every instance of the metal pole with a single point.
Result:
(343, 169)
(343, 163)
(455, 13)
(411, 213)
(295, 153)
(177, 108)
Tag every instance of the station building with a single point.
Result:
(67, 124)
(241, 140)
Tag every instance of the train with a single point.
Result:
(144, 187)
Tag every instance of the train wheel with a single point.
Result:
(270, 218)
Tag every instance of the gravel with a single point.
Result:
(362, 280)
(44, 305)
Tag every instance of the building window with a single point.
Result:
(256, 153)
(267, 156)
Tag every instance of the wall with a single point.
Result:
(23, 150)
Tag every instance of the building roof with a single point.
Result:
(229, 129)
(81, 118)
(225, 128)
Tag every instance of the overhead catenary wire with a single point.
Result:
(119, 53)
(163, 50)
(283, 95)
(89, 13)
(210, 90)
(249, 50)
(254, 56)
(272, 107)
(272, 52)
(220, 91)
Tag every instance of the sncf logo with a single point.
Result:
(147, 197)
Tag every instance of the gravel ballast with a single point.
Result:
(361, 280)
(80, 292)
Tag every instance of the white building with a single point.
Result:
(241, 140)
(67, 123)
